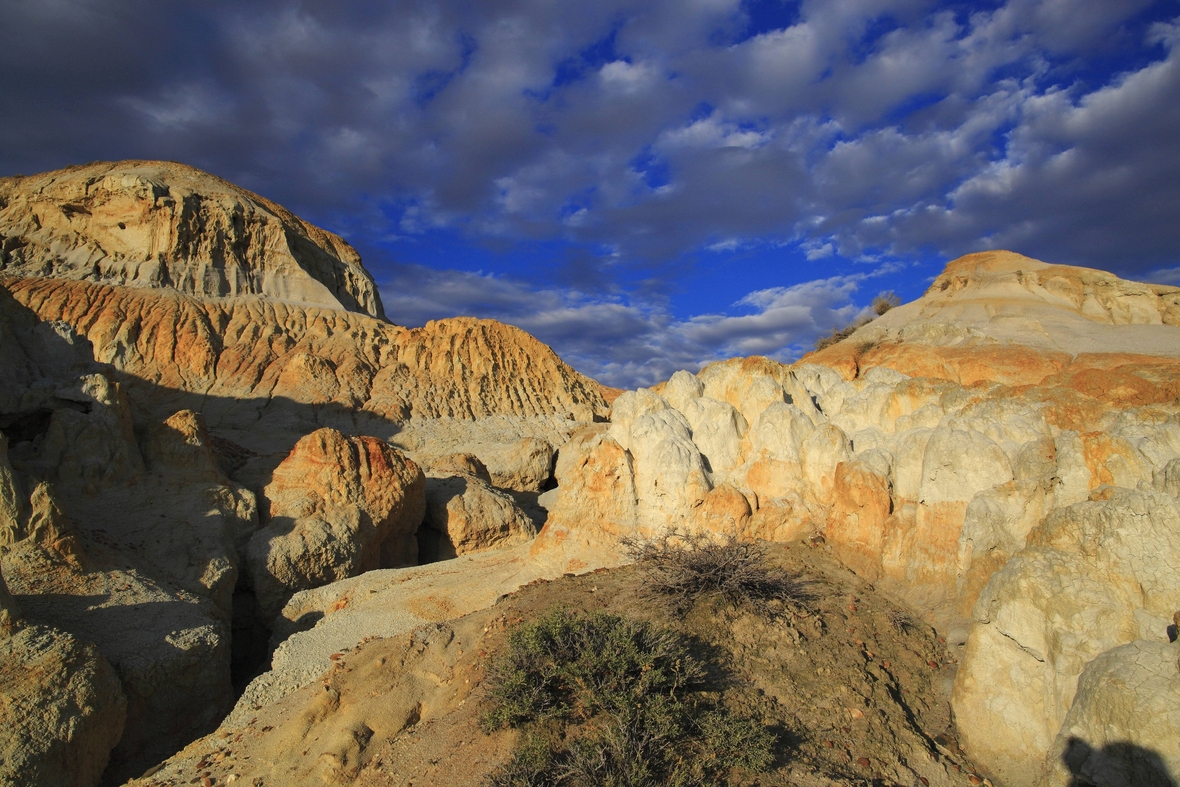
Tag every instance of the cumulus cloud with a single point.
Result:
(628, 340)
(661, 131)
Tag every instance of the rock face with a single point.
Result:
(338, 507)
(61, 706)
(1011, 438)
(1123, 727)
(138, 556)
(165, 225)
(465, 514)
(262, 368)
(1094, 576)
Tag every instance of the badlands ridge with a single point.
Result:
(221, 468)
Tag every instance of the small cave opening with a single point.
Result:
(25, 427)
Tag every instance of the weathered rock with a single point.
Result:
(338, 506)
(525, 465)
(458, 464)
(1095, 576)
(61, 706)
(273, 371)
(467, 515)
(166, 225)
(1123, 728)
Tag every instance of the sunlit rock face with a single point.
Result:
(161, 224)
(1002, 453)
(197, 397)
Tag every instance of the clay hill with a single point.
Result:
(254, 533)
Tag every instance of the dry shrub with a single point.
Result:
(684, 567)
(885, 301)
(881, 304)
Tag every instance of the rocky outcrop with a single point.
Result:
(997, 316)
(338, 506)
(1006, 439)
(260, 368)
(61, 705)
(1123, 727)
(165, 225)
(1094, 576)
(465, 514)
(122, 539)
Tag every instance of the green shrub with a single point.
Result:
(627, 697)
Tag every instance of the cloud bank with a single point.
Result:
(647, 135)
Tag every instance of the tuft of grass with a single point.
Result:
(885, 301)
(685, 566)
(881, 304)
(627, 697)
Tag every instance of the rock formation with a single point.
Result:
(464, 513)
(165, 225)
(1010, 438)
(337, 507)
(182, 360)
(61, 706)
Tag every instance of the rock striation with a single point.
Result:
(160, 224)
(1002, 453)
(198, 392)
(262, 368)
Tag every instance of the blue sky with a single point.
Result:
(646, 186)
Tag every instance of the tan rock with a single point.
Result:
(167, 647)
(467, 515)
(1095, 576)
(338, 506)
(524, 465)
(166, 225)
(61, 706)
(596, 502)
(1123, 727)
(277, 371)
(458, 464)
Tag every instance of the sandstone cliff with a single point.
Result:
(192, 429)
(993, 441)
(166, 225)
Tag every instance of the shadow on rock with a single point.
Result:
(1115, 765)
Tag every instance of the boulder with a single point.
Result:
(524, 465)
(61, 706)
(337, 507)
(1095, 575)
(1123, 728)
(465, 514)
(458, 464)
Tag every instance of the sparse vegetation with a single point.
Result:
(686, 566)
(881, 304)
(604, 700)
(885, 301)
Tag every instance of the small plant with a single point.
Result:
(900, 620)
(686, 566)
(881, 304)
(604, 700)
(885, 301)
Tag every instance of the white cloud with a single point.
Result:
(627, 340)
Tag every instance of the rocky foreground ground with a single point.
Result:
(224, 476)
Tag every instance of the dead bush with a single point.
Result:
(684, 567)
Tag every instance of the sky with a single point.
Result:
(645, 186)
